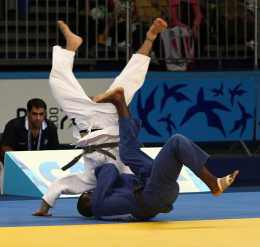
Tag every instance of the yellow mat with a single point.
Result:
(212, 233)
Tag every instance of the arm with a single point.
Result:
(198, 17)
(174, 5)
(104, 201)
(4, 149)
(53, 137)
(8, 140)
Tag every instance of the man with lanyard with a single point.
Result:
(153, 187)
(88, 115)
(32, 132)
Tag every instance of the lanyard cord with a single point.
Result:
(29, 138)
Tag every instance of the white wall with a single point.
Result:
(14, 94)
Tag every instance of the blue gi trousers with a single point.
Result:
(159, 175)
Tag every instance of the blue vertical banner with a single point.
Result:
(208, 106)
(257, 108)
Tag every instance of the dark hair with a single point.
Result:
(84, 204)
(37, 103)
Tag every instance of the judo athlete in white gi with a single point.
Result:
(88, 114)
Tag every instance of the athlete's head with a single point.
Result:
(84, 204)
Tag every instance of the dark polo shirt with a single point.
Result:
(16, 135)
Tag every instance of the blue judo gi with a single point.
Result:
(153, 188)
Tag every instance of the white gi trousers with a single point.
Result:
(88, 115)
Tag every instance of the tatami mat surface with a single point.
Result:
(232, 219)
(213, 233)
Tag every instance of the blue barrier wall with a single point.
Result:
(249, 168)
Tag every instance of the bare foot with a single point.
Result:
(41, 213)
(224, 182)
(112, 96)
(73, 41)
(43, 210)
(158, 26)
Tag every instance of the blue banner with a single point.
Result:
(212, 106)
(258, 108)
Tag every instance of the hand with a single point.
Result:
(197, 21)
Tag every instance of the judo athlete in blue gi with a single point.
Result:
(153, 187)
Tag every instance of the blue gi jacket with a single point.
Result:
(114, 192)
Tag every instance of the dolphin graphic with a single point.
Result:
(218, 91)
(173, 92)
(207, 107)
(169, 123)
(242, 122)
(236, 91)
(143, 112)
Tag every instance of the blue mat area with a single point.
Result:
(195, 206)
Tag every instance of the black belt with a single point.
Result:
(91, 149)
(87, 131)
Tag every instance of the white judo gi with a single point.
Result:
(90, 115)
